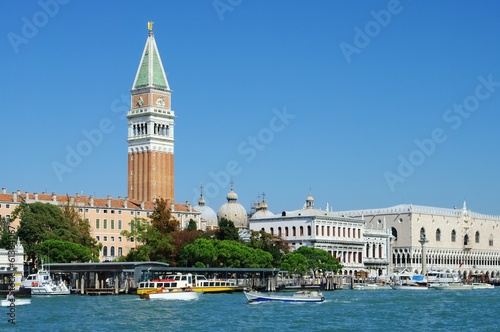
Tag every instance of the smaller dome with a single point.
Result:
(232, 196)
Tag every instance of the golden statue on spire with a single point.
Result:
(150, 26)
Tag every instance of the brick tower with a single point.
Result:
(150, 130)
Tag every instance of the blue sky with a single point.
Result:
(364, 104)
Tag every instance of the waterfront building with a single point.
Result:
(345, 238)
(9, 267)
(151, 130)
(456, 238)
(107, 217)
(234, 211)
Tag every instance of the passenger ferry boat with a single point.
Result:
(214, 286)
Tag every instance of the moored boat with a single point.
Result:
(298, 297)
(452, 286)
(409, 281)
(41, 283)
(174, 294)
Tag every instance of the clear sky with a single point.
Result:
(363, 104)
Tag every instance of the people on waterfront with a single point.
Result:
(10, 296)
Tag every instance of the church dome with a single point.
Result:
(234, 211)
(262, 211)
(208, 217)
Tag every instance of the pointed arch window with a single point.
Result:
(477, 237)
(466, 239)
(453, 236)
(490, 240)
(105, 251)
(438, 235)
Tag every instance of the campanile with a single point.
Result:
(150, 129)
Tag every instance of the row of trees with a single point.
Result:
(61, 234)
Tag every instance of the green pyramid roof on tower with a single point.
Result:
(150, 72)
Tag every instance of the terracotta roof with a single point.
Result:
(84, 201)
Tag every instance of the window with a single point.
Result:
(105, 223)
(438, 235)
(105, 251)
(105, 211)
(453, 236)
(301, 230)
(394, 233)
(466, 239)
(112, 211)
(422, 233)
(105, 239)
(112, 224)
(294, 231)
(132, 213)
(112, 251)
(119, 224)
(279, 231)
(112, 239)
(86, 210)
(97, 223)
(477, 237)
(7, 206)
(119, 239)
(490, 241)
(97, 238)
(96, 210)
(119, 211)
(286, 231)
(309, 230)
(271, 230)
(120, 251)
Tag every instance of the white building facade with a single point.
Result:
(457, 239)
(359, 249)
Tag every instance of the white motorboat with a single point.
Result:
(297, 297)
(482, 285)
(458, 286)
(370, 286)
(409, 281)
(446, 280)
(174, 294)
(16, 302)
(41, 283)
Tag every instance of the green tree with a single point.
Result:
(313, 259)
(191, 225)
(227, 230)
(153, 244)
(63, 252)
(40, 222)
(5, 235)
(224, 253)
(274, 245)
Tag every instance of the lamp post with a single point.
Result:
(423, 241)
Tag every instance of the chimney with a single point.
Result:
(125, 202)
(172, 207)
(142, 205)
(91, 200)
(18, 192)
(108, 201)
(36, 196)
(77, 195)
(4, 190)
(71, 200)
(188, 205)
(54, 197)
(119, 197)
(14, 196)
(27, 195)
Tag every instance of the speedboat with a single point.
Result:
(16, 302)
(482, 285)
(370, 286)
(297, 297)
(446, 280)
(174, 294)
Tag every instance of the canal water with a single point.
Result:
(344, 310)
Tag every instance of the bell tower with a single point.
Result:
(150, 129)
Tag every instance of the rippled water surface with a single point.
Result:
(346, 310)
